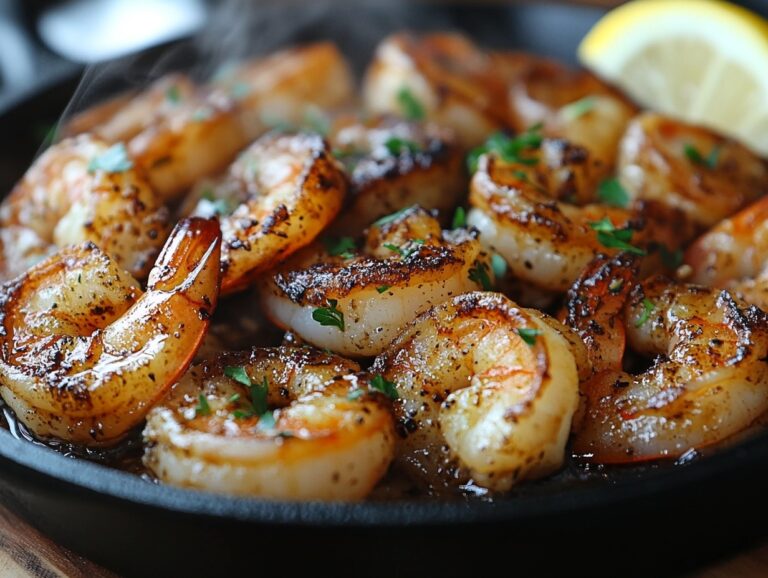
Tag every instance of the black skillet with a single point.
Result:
(644, 520)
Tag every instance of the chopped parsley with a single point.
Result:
(528, 335)
(695, 156)
(113, 160)
(172, 94)
(257, 393)
(397, 146)
(578, 108)
(383, 288)
(612, 193)
(410, 106)
(202, 407)
(479, 274)
(670, 259)
(510, 149)
(329, 316)
(377, 383)
(648, 308)
(340, 246)
(459, 218)
(408, 249)
(390, 218)
(499, 266)
(613, 238)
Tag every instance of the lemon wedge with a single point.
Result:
(703, 61)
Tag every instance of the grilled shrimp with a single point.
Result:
(545, 241)
(82, 190)
(355, 304)
(709, 382)
(282, 423)
(290, 87)
(284, 189)
(487, 391)
(572, 105)
(84, 355)
(732, 255)
(394, 164)
(441, 77)
(690, 168)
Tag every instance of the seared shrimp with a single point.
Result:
(85, 355)
(487, 391)
(394, 164)
(545, 241)
(439, 77)
(734, 255)
(82, 190)
(690, 168)
(355, 304)
(282, 423)
(284, 190)
(289, 87)
(710, 381)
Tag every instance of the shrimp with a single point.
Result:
(394, 164)
(84, 355)
(292, 87)
(82, 190)
(441, 77)
(545, 241)
(280, 423)
(355, 304)
(571, 105)
(707, 176)
(709, 383)
(284, 189)
(732, 255)
(486, 391)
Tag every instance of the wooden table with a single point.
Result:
(26, 553)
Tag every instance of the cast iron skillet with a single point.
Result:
(658, 519)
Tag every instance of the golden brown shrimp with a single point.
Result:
(546, 241)
(709, 382)
(690, 168)
(284, 189)
(487, 391)
(355, 304)
(79, 190)
(394, 164)
(282, 423)
(289, 87)
(734, 255)
(443, 78)
(84, 355)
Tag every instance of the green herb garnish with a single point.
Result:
(113, 160)
(383, 288)
(410, 106)
(528, 335)
(613, 238)
(172, 94)
(612, 193)
(202, 407)
(693, 154)
(578, 108)
(238, 374)
(257, 392)
(459, 218)
(648, 308)
(499, 266)
(410, 247)
(390, 218)
(329, 316)
(509, 149)
(397, 146)
(479, 274)
(340, 246)
(670, 259)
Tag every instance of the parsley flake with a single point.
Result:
(499, 266)
(397, 146)
(509, 149)
(202, 407)
(670, 259)
(693, 154)
(613, 238)
(329, 316)
(340, 246)
(173, 95)
(578, 108)
(479, 274)
(459, 218)
(390, 218)
(410, 106)
(383, 288)
(113, 160)
(648, 308)
(611, 192)
(528, 334)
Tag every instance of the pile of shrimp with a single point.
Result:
(481, 265)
